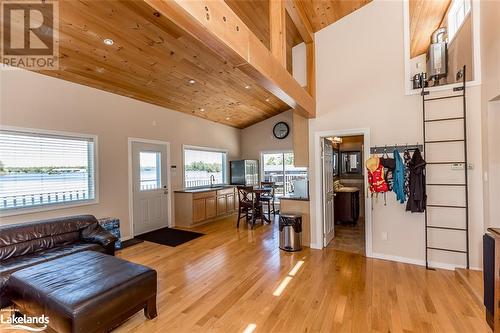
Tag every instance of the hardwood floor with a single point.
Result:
(225, 280)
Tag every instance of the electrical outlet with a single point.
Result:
(384, 235)
(457, 166)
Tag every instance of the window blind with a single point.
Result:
(38, 169)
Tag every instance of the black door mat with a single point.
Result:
(169, 236)
(130, 242)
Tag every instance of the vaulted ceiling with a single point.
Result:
(425, 17)
(155, 61)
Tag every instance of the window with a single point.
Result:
(150, 174)
(289, 179)
(38, 170)
(202, 164)
(456, 16)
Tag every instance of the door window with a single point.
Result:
(150, 170)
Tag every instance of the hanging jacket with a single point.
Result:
(407, 159)
(376, 179)
(418, 197)
(389, 165)
(399, 177)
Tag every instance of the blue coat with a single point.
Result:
(399, 178)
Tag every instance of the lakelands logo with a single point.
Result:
(23, 322)
(30, 34)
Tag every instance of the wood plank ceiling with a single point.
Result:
(153, 60)
(322, 13)
(425, 17)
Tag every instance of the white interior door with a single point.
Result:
(149, 186)
(328, 193)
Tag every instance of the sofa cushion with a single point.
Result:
(25, 238)
(11, 265)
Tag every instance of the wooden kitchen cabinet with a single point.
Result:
(210, 208)
(197, 207)
(199, 210)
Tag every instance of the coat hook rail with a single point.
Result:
(390, 149)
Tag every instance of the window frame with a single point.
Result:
(225, 173)
(454, 9)
(61, 205)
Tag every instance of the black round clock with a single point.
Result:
(281, 130)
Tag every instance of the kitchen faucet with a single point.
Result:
(212, 180)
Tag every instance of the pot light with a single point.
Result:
(227, 118)
(268, 99)
(247, 87)
(192, 81)
(202, 109)
(108, 41)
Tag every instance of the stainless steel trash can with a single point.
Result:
(290, 232)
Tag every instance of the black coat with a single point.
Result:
(418, 197)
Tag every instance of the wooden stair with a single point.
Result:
(473, 282)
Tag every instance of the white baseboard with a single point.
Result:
(418, 262)
(125, 238)
(316, 246)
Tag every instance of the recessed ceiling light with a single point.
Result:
(108, 41)
(192, 81)
(202, 109)
(227, 118)
(247, 87)
(268, 99)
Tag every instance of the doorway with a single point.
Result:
(340, 169)
(150, 206)
(349, 189)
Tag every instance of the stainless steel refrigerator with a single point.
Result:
(245, 172)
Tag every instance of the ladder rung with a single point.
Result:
(446, 206)
(443, 119)
(445, 141)
(446, 228)
(446, 184)
(442, 249)
(445, 162)
(444, 97)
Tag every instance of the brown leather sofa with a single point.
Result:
(27, 244)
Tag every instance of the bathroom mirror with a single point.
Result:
(351, 162)
(335, 162)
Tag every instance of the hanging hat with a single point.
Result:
(372, 163)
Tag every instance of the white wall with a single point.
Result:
(37, 101)
(259, 137)
(490, 52)
(361, 84)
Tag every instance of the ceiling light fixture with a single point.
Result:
(247, 87)
(108, 41)
(268, 99)
(227, 118)
(202, 109)
(192, 81)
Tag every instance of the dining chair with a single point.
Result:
(248, 205)
(269, 197)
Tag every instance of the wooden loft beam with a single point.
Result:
(214, 24)
(277, 30)
(311, 68)
(299, 18)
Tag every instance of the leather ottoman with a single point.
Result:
(84, 292)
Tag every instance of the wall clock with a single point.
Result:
(281, 130)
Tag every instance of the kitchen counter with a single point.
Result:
(204, 189)
(294, 197)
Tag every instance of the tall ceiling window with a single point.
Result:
(40, 170)
(204, 167)
(459, 9)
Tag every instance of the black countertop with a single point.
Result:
(293, 197)
(204, 189)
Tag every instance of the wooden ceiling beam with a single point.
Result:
(214, 24)
(299, 18)
(277, 29)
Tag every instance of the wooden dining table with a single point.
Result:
(259, 191)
